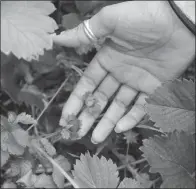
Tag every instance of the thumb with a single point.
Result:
(101, 24)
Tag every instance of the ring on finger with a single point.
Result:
(88, 31)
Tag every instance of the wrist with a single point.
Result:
(185, 11)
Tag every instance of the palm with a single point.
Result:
(133, 57)
(148, 44)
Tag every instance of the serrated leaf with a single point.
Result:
(25, 119)
(4, 139)
(27, 180)
(4, 157)
(25, 167)
(5, 125)
(8, 143)
(25, 28)
(9, 184)
(57, 176)
(19, 167)
(173, 156)
(144, 180)
(129, 183)
(14, 169)
(13, 138)
(11, 117)
(94, 172)
(44, 181)
(13, 147)
(172, 106)
(21, 136)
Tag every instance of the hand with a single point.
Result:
(148, 45)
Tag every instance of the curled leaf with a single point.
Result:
(25, 119)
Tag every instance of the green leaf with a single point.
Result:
(4, 139)
(57, 176)
(172, 106)
(4, 157)
(129, 183)
(14, 169)
(48, 147)
(21, 137)
(13, 147)
(94, 172)
(25, 167)
(9, 184)
(44, 181)
(25, 28)
(27, 180)
(11, 117)
(5, 125)
(31, 96)
(19, 167)
(173, 156)
(13, 138)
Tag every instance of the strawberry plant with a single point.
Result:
(37, 78)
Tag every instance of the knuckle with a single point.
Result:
(107, 17)
(104, 12)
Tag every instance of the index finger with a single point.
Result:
(101, 24)
(93, 75)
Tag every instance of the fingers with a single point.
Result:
(116, 110)
(88, 83)
(103, 93)
(101, 24)
(134, 116)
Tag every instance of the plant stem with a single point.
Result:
(150, 128)
(138, 161)
(129, 168)
(33, 115)
(54, 163)
(127, 160)
(51, 100)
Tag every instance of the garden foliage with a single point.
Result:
(38, 153)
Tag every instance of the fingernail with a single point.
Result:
(62, 122)
(117, 130)
(80, 133)
(93, 141)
